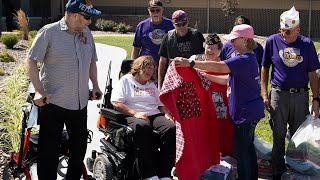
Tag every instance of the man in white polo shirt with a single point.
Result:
(68, 58)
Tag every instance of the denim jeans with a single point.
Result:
(245, 152)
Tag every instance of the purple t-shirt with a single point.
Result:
(291, 62)
(228, 52)
(245, 103)
(148, 36)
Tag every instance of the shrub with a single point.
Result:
(32, 34)
(2, 72)
(105, 25)
(6, 57)
(9, 40)
(30, 42)
(122, 28)
(18, 32)
(13, 93)
(23, 23)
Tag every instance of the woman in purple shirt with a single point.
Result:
(245, 103)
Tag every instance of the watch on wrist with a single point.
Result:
(192, 63)
(316, 99)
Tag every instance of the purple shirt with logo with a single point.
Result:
(148, 36)
(291, 62)
(228, 52)
(245, 103)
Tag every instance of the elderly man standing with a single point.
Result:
(182, 41)
(68, 58)
(149, 32)
(294, 63)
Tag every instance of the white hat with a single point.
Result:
(289, 19)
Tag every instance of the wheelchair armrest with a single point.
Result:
(112, 114)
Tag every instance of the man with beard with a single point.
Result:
(149, 32)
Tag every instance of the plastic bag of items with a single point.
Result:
(303, 153)
(264, 152)
(291, 174)
(222, 171)
(263, 149)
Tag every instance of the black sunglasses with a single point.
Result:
(180, 24)
(155, 10)
(86, 17)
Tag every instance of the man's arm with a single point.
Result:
(314, 84)
(162, 71)
(212, 66)
(264, 86)
(135, 52)
(41, 97)
(93, 75)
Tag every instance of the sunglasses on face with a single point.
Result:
(180, 24)
(86, 17)
(155, 10)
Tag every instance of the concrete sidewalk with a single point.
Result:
(106, 54)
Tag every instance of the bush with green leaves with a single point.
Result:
(105, 25)
(2, 72)
(30, 42)
(6, 57)
(122, 28)
(9, 40)
(32, 34)
(13, 93)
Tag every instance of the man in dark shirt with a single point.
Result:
(182, 41)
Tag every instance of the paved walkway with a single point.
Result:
(106, 54)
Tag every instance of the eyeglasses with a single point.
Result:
(287, 31)
(155, 10)
(180, 24)
(86, 17)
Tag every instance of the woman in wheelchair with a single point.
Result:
(137, 96)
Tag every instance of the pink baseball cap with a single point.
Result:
(242, 30)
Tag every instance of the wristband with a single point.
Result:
(192, 63)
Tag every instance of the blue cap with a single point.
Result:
(84, 6)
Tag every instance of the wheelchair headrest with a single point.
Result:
(126, 66)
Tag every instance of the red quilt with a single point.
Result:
(219, 96)
(186, 95)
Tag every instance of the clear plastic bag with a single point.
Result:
(303, 153)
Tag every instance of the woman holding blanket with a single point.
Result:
(213, 46)
(245, 103)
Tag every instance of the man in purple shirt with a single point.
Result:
(149, 32)
(228, 51)
(294, 63)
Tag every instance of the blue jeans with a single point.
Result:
(245, 151)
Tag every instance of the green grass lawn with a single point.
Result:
(124, 42)
(317, 45)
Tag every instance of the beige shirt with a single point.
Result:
(66, 59)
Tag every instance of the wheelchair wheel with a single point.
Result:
(7, 173)
(63, 166)
(102, 168)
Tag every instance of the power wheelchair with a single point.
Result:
(116, 159)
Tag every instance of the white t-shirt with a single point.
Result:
(141, 98)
